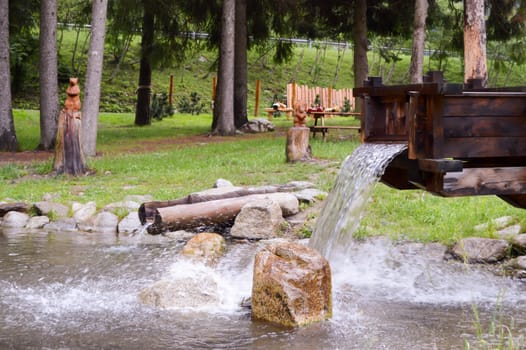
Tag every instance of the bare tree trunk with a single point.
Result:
(142, 111)
(475, 66)
(360, 66)
(8, 141)
(48, 71)
(224, 104)
(419, 38)
(91, 104)
(240, 57)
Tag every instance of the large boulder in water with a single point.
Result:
(291, 285)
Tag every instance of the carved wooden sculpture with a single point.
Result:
(69, 158)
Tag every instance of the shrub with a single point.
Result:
(160, 107)
(192, 105)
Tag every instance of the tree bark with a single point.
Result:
(224, 105)
(90, 111)
(8, 140)
(360, 66)
(48, 71)
(475, 66)
(419, 38)
(240, 69)
(142, 112)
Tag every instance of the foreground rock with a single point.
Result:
(291, 285)
(481, 250)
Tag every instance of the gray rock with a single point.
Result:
(301, 185)
(180, 235)
(257, 125)
(83, 212)
(184, 292)
(509, 232)
(223, 183)
(36, 222)
(287, 201)
(66, 225)
(310, 195)
(259, 219)
(105, 222)
(130, 224)
(126, 205)
(139, 198)
(15, 219)
(519, 243)
(51, 209)
(517, 267)
(498, 223)
(481, 250)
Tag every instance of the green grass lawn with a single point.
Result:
(174, 157)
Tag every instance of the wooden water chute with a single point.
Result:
(462, 140)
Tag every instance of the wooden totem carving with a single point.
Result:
(69, 158)
(298, 148)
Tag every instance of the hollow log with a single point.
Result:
(298, 148)
(7, 207)
(148, 210)
(187, 216)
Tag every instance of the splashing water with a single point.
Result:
(342, 212)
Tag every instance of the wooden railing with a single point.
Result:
(329, 97)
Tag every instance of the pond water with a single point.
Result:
(80, 291)
(61, 290)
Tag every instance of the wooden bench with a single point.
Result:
(324, 129)
(271, 111)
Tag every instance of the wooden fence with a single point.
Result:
(329, 97)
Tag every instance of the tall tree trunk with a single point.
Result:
(223, 123)
(8, 141)
(90, 113)
(360, 65)
(419, 38)
(475, 66)
(142, 112)
(240, 58)
(48, 71)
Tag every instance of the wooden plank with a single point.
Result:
(469, 147)
(486, 181)
(485, 126)
(440, 165)
(460, 105)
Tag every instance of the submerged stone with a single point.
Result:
(291, 285)
(205, 246)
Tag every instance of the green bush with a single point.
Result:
(160, 107)
(192, 104)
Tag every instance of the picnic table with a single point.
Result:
(271, 111)
(324, 129)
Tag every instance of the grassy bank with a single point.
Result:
(175, 156)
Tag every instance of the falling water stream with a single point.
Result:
(61, 290)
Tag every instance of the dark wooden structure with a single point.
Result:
(462, 140)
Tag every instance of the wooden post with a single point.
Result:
(171, 89)
(294, 97)
(258, 89)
